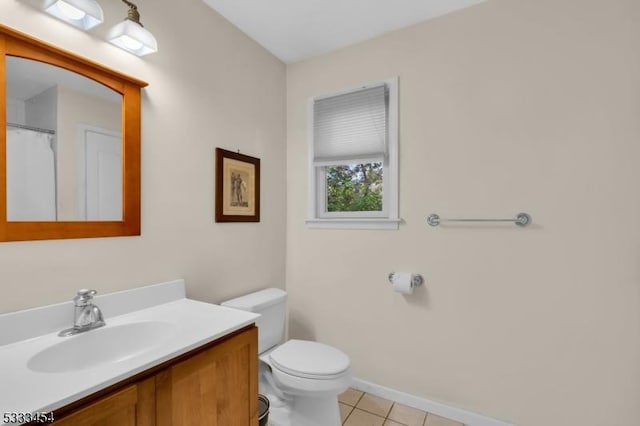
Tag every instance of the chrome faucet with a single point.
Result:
(87, 316)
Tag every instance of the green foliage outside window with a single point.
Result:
(354, 188)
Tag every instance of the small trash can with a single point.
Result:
(263, 410)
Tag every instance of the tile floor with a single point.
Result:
(358, 408)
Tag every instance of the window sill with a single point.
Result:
(355, 223)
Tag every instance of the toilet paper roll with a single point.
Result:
(402, 282)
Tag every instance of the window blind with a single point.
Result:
(350, 128)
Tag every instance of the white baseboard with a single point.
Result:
(466, 417)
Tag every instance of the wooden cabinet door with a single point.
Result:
(216, 387)
(132, 406)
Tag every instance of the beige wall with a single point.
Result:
(209, 86)
(504, 107)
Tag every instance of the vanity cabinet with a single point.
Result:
(132, 406)
(216, 385)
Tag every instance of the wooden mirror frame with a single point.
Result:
(17, 44)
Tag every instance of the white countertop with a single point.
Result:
(25, 391)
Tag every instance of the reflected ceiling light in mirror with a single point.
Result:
(84, 14)
(131, 36)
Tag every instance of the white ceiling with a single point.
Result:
(294, 30)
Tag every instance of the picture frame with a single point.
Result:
(237, 187)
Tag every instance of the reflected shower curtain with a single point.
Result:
(31, 180)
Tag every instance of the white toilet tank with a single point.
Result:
(271, 304)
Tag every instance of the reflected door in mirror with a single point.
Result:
(101, 169)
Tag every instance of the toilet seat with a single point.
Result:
(310, 360)
(293, 385)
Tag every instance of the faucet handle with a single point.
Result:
(84, 296)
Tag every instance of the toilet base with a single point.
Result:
(316, 410)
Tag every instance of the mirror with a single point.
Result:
(64, 145)
(70, 163)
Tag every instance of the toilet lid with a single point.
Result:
(303, 358)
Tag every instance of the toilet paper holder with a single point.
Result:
(416, 279)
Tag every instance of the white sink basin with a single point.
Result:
(100, 346)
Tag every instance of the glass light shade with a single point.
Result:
(133, 38)
(84, 14)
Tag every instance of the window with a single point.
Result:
(353, 158)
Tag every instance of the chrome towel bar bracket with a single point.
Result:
(521, 219)
(416, 279)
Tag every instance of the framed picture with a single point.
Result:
(237, 187)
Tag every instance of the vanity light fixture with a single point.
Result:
(131, 36)
(84, 14)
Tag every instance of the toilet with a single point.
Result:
(302, 379)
